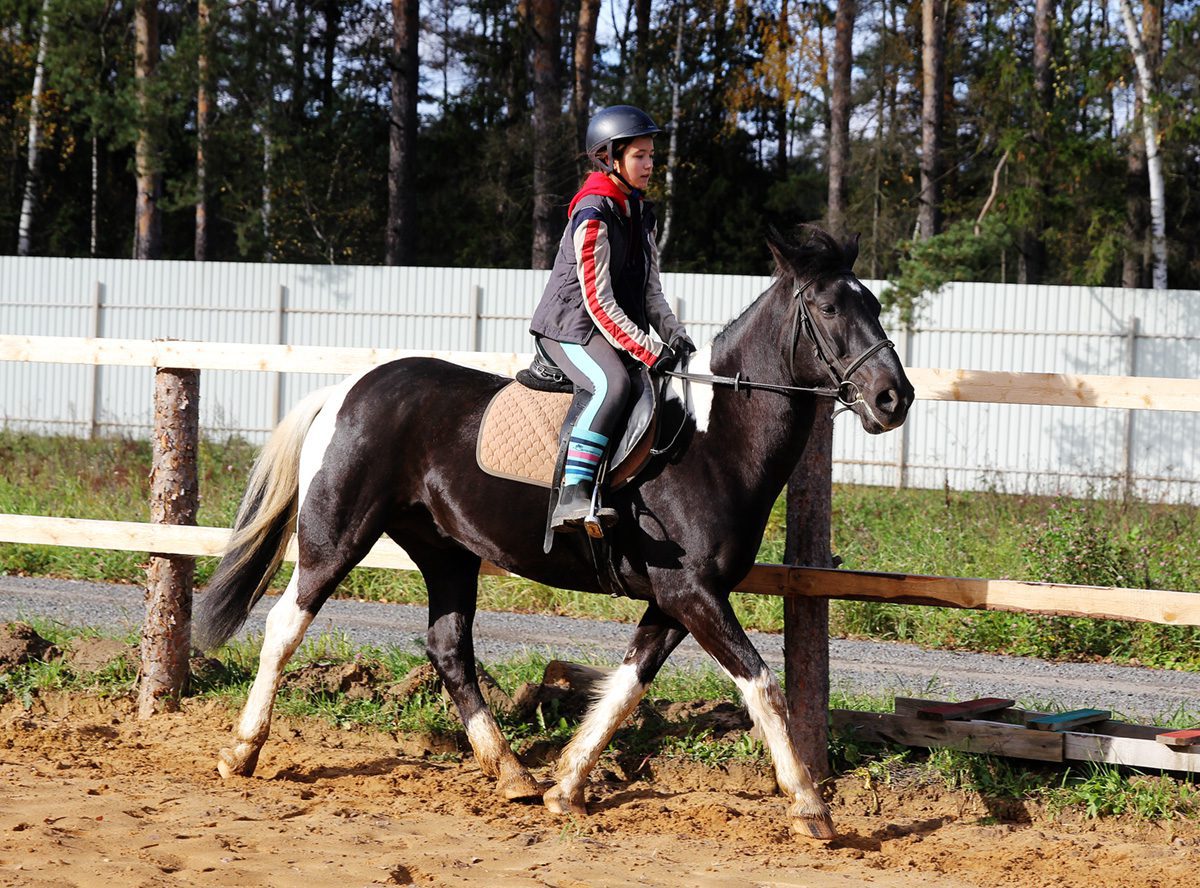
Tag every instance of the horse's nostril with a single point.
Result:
(887, 400)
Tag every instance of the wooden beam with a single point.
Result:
(234, 355)
(1065, 721)
(1148, 605)
(1102, 602)
(1056, 389)
(993, 738)
(1129, 751)
(934, 384)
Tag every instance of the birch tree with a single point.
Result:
(1154, 172)
(34, 153)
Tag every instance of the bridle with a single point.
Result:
(846, 391)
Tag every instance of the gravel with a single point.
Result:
(856, 667)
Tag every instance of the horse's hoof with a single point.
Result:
(520, 786)
(237, 762)
(819, 828)
(558, 802)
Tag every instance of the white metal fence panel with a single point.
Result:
(970, 325)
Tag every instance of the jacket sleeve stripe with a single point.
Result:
(598, 298)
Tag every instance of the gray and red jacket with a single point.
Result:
(605, 275)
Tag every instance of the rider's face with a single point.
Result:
(637, 162)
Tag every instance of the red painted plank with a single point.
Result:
(966, 709)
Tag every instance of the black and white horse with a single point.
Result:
(393, 451)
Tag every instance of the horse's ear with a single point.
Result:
(778, 247)
(850, 249)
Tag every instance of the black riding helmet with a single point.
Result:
(617, 123)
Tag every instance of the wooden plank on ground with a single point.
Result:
(1152, 605)
(1182, 739)
(993, 738)
(235, 355)
(966, 709)
(1065, 721)
(1128, 751)
(1057, 389)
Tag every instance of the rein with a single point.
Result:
(846, 391)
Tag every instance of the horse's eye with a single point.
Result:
(828, 310)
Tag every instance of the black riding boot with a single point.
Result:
(574, 508)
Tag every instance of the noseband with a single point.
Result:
(846, 391)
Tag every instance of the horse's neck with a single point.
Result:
(758, 434)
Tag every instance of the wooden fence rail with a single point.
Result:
(1056, 599)
(987, 386)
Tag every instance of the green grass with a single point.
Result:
(940, 532)
(1089, 791)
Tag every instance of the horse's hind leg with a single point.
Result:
(286, 624)
(452, 579)
(656, 636)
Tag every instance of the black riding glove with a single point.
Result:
(667, 361)
(682, 345)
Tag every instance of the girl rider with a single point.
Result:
(603, 297)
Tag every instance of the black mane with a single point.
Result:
(810, 253)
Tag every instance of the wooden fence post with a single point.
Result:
(167, 630)
(806, 620)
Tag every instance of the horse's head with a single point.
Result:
(833, 335)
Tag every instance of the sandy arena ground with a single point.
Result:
(92, 797)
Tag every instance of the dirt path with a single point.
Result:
(91, 797)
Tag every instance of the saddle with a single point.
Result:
(520, 437)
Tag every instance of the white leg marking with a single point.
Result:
(764, 699)
(619, 695)
(286, 625)
(488, 743)
(702, 394)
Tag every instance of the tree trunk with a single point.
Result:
(332, 11)
(585, 53)
(1158, 214)
(664, 237)
(933, 77)
(839, 114)
(806, 620)
(641, 55)
(174, 497)
(547, 109)
(1033, 248)
(402, 130)
(782, 101)
(34, 151)
(147, 237)
(203, 113)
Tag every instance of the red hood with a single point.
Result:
(597, 183)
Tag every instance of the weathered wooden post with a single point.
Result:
(167, 631)
(806, 620)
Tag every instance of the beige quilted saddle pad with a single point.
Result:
(518, 438)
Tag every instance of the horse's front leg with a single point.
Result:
(656, 636)
(710, 618)
(452, 581)
(286, 625)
